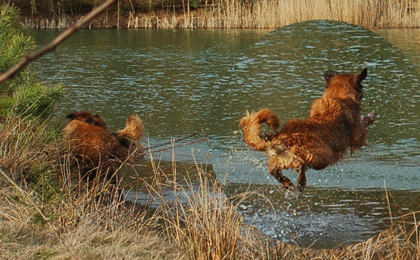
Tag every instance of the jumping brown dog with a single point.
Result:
(98, 150)
(334, 125)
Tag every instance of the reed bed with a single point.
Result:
(275, 14)
(229, 14)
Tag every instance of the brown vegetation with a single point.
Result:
(223, 13)
(334, 126)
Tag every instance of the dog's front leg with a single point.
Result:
(286, 182)
(368, 120)
(359, 136)
(302, 178)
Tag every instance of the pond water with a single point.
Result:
(187, 81)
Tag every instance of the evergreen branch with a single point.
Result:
(54, 43)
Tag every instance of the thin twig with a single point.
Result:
(170, 143)
(180, 145)
(25, 195)
(54, 43)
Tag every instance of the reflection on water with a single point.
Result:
(185, 81)
(407, 40)
(147, 184)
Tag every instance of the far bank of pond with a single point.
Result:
(225, 14)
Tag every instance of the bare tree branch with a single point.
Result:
(54, 43)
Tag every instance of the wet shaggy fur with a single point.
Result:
(333, 127)
(98, 150)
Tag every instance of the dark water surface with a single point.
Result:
(185, 81)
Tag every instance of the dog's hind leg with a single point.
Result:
(302, 178)
(286, 182)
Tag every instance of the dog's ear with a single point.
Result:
(97, 120)
(329, 75)
(71, 116)
(362, 76)
(90, 120)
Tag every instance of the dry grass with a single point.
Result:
(45, 216)
(201, 220)
(56, 220)
(96, 231)
(23, 145)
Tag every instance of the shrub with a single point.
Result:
(22, 95)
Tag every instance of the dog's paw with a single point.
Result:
(301, 188)
(289, 186)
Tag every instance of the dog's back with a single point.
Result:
(89, 139)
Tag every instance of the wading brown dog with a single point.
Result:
(334, 126)
(98, 150)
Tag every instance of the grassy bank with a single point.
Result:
(225, 13)
(199, 222)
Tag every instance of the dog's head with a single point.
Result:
(345, 86)
(87, 117)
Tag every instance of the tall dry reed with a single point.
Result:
(202, 221)
(274, 14)
(229, 14)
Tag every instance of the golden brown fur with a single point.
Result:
(130, 136)
(99, 150)
(334, 125)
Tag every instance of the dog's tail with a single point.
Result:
(130, 136)
(134, 128)
(251, 123)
